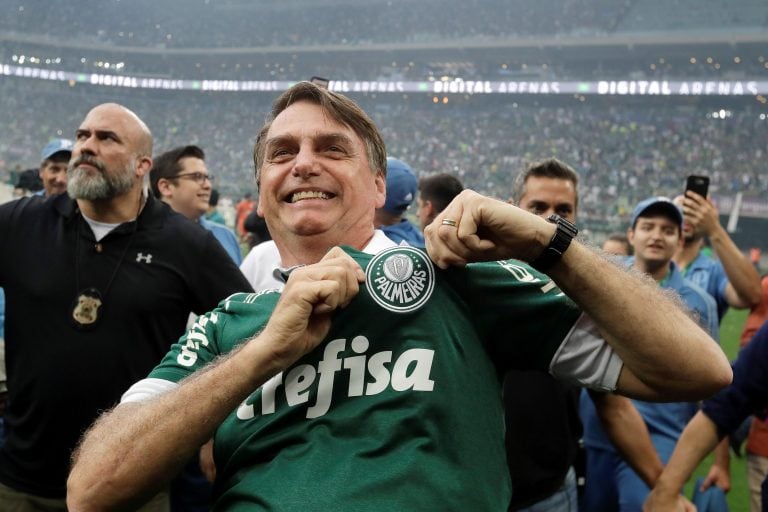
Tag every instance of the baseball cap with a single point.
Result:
(659, 204)
(56, 146)
(402, 186)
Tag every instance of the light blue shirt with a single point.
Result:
(665, 420)
(708, 273)
(406, 231)
(226, 238)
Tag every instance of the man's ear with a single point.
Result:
(165, 187)
(381, 189)
(143, 166)
(631, 236)
(430, 208)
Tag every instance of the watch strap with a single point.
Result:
(564, 234)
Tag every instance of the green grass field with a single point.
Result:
(738, 497)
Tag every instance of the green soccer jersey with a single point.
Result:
(399, 408)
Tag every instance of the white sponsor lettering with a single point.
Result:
(405, 291)
(522, 274)
(366, 376)
(194, 339)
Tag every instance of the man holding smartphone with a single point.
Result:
(731, 279)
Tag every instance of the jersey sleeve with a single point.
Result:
(236, 320)
(524, 315)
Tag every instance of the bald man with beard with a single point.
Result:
(99, 282)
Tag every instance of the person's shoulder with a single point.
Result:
(35, 206)
(245, 302)
(695, 297)
(691, 291)
(705, 261)
(259, 265)
(217, 227)
(264, 253)
(406, 231)
(760, 339)
(160, 215)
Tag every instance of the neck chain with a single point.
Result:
(87, 308)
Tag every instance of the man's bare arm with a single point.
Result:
(629, 434)
(697, 440)
(134, 450)
(743, 290)
(665, 353)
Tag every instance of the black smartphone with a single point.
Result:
(698, 184)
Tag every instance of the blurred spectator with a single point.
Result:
(655, 232)
(402, 187)
(757, 439)
(213, 214)
(729, 278)
(435, 192)
(256, 226)
(29, 183)
(242, 210)
(617, 244)
(625, 149)
(180, 178)
(53, 168)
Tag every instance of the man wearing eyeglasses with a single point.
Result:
(180, 178)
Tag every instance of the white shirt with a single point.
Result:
(263, 269)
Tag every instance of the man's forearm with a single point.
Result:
(136, 448)
(741, 273)
(697, 440)
(658, 342)
(629, 434)
(133, 451)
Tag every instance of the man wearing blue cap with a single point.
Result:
(53, 167)
(655, 234)
(53, 173)
(402, 187)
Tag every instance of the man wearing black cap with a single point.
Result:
(53, 167)
(655, 234)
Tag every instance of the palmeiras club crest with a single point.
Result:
(400, 279)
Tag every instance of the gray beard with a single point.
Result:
(81, 185)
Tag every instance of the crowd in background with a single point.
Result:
(624, 151)
(230, 23)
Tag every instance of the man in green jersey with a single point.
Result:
(371, 382)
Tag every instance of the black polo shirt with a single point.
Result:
(61, 378)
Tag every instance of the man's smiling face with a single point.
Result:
(316, 179)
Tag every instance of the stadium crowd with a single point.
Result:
(624, 152)
(295, 23)
(627, 151)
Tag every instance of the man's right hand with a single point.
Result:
(478, 228)
(660, 501)
(302, 317)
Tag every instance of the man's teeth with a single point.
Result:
(309, 194)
